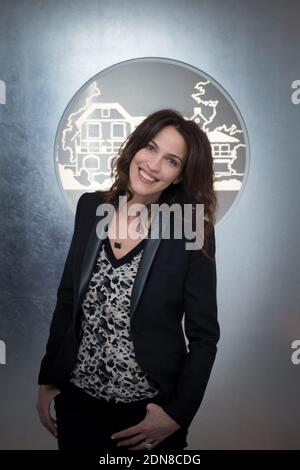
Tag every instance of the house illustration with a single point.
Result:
(100, 130)
(223, 144)
(224, 152)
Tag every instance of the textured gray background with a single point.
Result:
(48, 49)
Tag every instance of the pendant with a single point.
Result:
(117, 245)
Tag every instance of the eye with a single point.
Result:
(173, 161)
(150, 146)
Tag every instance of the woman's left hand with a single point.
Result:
(155, 427)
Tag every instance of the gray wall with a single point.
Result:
(48, 50)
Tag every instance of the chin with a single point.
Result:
(139, 188)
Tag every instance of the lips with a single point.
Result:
(141, 171)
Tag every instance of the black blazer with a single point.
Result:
(170, 281)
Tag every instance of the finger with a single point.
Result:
(47, 420)
(52, 427)
(50, 424)
(141, 446)
(133, 440)
(52, 421)
(127, 432)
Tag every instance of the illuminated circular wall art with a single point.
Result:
(112, 103)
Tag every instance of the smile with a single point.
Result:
(146, 178)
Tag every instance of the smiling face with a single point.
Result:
(157, 165)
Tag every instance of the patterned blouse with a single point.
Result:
(106, 366)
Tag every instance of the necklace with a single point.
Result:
(119, 244)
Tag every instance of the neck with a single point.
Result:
(137, 199)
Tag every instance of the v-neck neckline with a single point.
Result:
(116, 262)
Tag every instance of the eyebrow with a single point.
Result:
(171, 154)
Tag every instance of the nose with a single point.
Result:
(153, 166)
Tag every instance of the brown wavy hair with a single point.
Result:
(197, 184)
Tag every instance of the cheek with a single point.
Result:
(134, 164)
(138, 156)
(170, 174)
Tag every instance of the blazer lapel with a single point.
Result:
(90, 255)
(150, 249)
(93, 249)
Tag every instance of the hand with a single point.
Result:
(45, 397)
(155, 427)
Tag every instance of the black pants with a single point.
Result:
(85, 422)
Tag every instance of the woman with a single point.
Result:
(116, 362)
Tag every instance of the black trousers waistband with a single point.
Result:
(70, 388)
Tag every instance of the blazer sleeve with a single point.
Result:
(203, 333)
(62, 315)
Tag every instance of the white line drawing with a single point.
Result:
(224, 140)
(95, 132)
